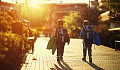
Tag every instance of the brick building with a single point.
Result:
(58, 11)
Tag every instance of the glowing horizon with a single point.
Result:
(51, 1)
(34, 3)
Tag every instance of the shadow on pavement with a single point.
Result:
(63, 66)
(68, 67)
(95, 66)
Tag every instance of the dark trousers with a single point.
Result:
(60, 49)
(87, 45)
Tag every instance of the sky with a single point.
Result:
(53, 1)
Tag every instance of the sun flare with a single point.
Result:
(34, 3)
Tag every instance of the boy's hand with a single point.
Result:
(68, 43)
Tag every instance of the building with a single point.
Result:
(106, 19)
(106, 22)
(6, 6)
(58, 11)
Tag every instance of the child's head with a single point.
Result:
(85, 22)
(60, 23)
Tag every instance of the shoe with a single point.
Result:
(90, 60)
(84, 59)
(61, 58)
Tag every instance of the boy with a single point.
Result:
(88, 34)
(61, 36)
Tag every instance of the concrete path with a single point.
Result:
(104, 58)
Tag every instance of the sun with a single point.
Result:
(34, 3)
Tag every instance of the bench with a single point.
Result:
(116, 44)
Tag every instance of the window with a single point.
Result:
(76, 6)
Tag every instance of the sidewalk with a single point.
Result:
(103, 58)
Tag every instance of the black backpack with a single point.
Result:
(88, 32)
(63, 37)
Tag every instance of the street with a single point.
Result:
(103, 57)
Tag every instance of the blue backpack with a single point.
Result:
(97, 40)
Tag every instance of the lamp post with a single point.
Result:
(20, 6)
(89, 12)
(0, 5)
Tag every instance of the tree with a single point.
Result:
(5, 21)
(94, 16)
(38, 16)
(114, 7)
(75, 20)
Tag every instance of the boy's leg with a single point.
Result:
(84, 52)
(90, 52)
(58, 51)
(62, 50)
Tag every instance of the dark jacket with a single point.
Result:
(58, 35)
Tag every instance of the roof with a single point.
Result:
(70, 3)
(95, 3)
(114, 29)
(6, 3)
(105, 16)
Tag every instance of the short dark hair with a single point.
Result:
(60, 22)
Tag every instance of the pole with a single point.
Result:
(20, 11)
(89, 13)
(0, 5)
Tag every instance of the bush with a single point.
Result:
(11, 47)
(108, 38)
(112, 41)
(104, 37)
(5, 21)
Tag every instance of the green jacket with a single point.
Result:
(52, 44)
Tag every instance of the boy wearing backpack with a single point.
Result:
(61, 36)
(88, 34)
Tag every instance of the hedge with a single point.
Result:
(108, 38)
(11, 47)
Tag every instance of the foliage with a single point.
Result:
(75, 20)
(108, 38)
(114, 7)
(5, 21)
(10, 49)
(38, 16)
(112, 41)
(12, 14)
(104, 37)
(26, 32)
(11, 44)
(94, 14)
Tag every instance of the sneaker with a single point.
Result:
(84, 59)
(90, 60)
(61, 58)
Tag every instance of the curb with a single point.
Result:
(24, 57)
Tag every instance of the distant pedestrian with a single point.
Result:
(61, 36)
(88, 34)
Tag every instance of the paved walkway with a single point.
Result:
(103, 58)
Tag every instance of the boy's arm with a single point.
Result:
(56, 33)
(81, 33)
(68, 38)
(95, 34)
